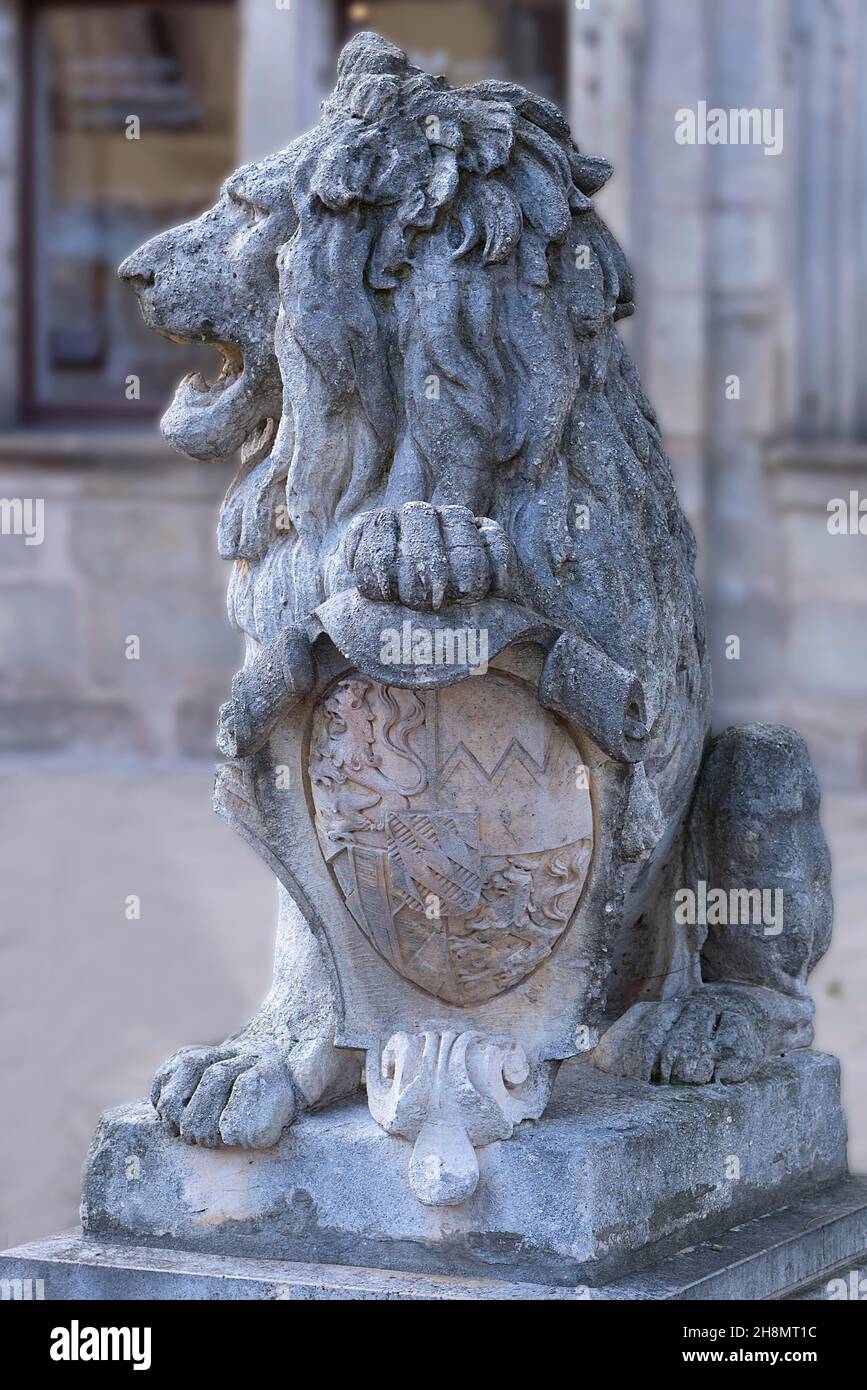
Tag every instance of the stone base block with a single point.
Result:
(613, 1178)
(813, 1249)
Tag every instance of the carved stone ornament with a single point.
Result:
(460, 849)
(471, 735)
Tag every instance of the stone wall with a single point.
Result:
(128, 552)
(822, 680)
(10, 89)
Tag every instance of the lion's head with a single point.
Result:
(214, 281)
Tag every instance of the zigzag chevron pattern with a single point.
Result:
(516, 753)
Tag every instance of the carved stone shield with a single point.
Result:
(460, 848)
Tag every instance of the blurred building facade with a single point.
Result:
(748, 266)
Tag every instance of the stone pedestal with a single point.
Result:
(812, 1249)
(613, 1181)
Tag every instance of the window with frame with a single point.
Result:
(129, 127)
(469, 41)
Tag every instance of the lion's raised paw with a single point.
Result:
(425, 556)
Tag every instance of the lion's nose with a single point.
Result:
(136, 270)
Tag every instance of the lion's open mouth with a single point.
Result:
(218, 408)
(212, 418)
(197, 390)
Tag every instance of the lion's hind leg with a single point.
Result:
(755, 837)
(757, 900)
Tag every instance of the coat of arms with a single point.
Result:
(460, 850)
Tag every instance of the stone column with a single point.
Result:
(632, 65)
(828, 193)
(604, 42)
(745, 287)
(287, 58)
(822, 453)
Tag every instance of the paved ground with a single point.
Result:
(90, 1001)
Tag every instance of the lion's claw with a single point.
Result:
(423, 556)
(694, 1040)
(239, 1094)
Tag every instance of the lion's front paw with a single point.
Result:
(240, 1093)
(692, 1040)
(423, 556)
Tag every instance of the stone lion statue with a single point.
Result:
(439, 426)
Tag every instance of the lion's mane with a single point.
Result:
(440, 235)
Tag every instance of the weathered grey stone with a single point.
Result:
(813, 1248)
(58, 722)
(40, 639)
(471, 732)
(615, 1174)
(69, 1267)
